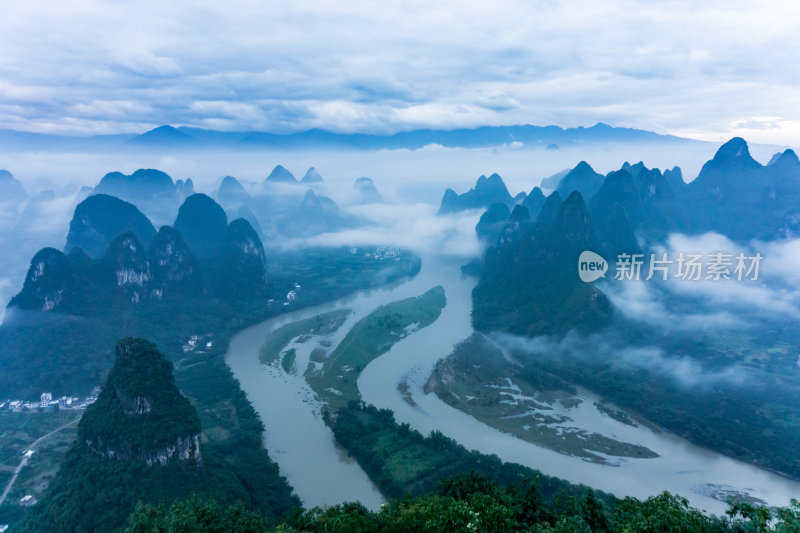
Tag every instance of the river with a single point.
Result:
(321, 473)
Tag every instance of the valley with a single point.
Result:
(701, 475)
(399, 267)
(331, 367)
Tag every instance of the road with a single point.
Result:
(25, 460)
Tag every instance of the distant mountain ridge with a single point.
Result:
(466, 137)
(185, 137)
(626, 211)
(141, 186)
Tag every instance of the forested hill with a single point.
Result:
(139, 442)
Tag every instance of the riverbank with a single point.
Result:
(396, 380)
(479, 380)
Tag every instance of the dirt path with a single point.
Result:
(25, 460)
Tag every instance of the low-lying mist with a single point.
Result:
(612, 347)
(725, 303)
(399, 174)
(411, 184)
(697, 334)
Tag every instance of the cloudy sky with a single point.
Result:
(702, 69)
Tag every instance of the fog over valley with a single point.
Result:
(301, 267)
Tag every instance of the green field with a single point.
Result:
(18, 432)
(370, 338)
(318, 325)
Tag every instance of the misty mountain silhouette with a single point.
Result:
(100, 218)
(583, 179)
(366, 191)
(203, 224)
(733, 195)
(163, 136)
(279, 174)
(231, 191)
(311, 176)
(486, 192)
(150, 190)
(492, 221)
(534, 202)
(167, 137)
(11, 190)
(144, 185)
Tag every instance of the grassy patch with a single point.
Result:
(370, 338)
(377, 333)
(20, 431)
(318, 325)
(287, 362)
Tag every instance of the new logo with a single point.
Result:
(591, 266)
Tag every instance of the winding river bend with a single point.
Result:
(322, 474)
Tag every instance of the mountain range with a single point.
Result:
(144, 440)
(531, 256)
(200, 252)
(168, 137)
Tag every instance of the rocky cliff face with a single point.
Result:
(128, 261)
(128, 273)
(185, 449)
(243, 263)
(140, 414)
(49, 283)
(172, 265)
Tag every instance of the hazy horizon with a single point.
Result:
(707, 71)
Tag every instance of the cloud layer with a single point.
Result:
(684, 371)
(685, 305)
(709, 70)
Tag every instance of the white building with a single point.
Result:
(46, 398)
